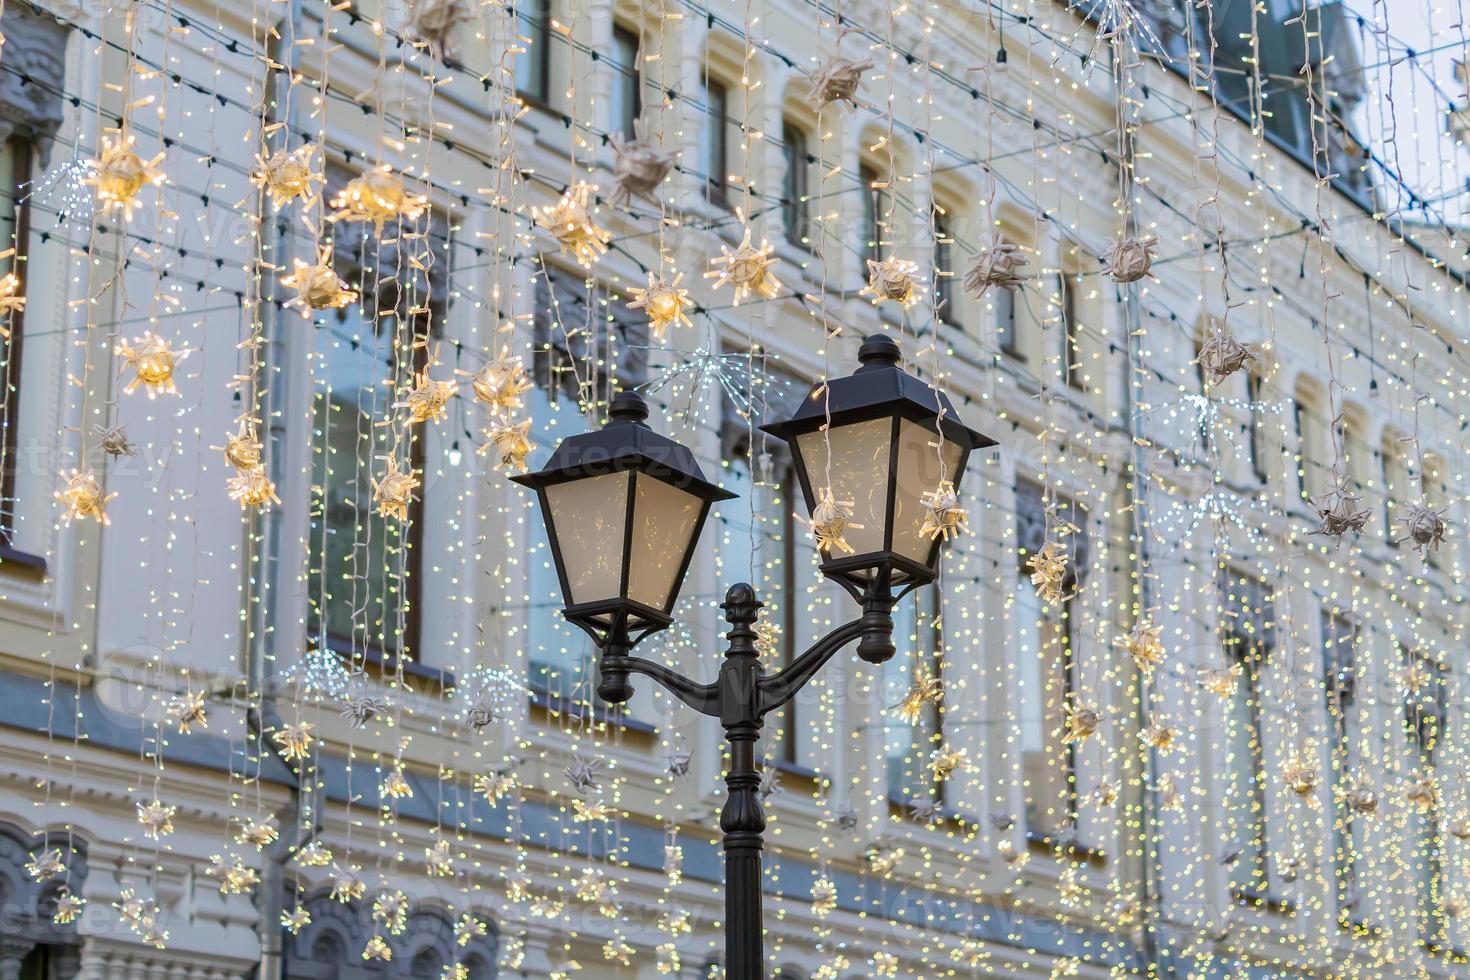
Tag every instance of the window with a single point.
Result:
(714, 151)
(1395, 486)
(1339, 676)
(15, 166)
(795, 205)
(363, 565)
(875, 211)
(1312, 447)
(909, 744)
(1005, 303)
(1253, 389)
(1046, 673)
(945, 295)
(1248, 636)
(1426, 717)
(1068, 286)
(627, 81)
(533, 65)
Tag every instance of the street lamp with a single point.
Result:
(623, 508)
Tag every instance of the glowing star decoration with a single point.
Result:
(393, 494)
(1160, 736)
(252, 489)
(1222, 355)
(1301, 774)
(1129, 259)
(153, 361)
(495, 786)
(187, 710)
(314, 855)
(830, 521)
(68, 907)
(45, 865)
(1142, 643)
(286, 176)
(1425, 527)
(1049, 571)
(593, 888)
(570, 222)
(1220, 681)
(664, 303)
(377, 948)
(427, 400)
(468, 929)
(639, 167)
(235, 877)
(295, 920)
(294, 740)
(1104, 794)
(944, 518)
(377, 197)
(1358, 795)
(119, 175)
(1083, 721)
(317, 285)
(390, 910)
(157, 819)
(746, 269)
(242, 449)
(81, 496)
(837, 81)
(1001, 265)
(258, 833)
(512, 444)
(946, 760)
(895, 280)
(347, 883)
(12, 300)
(500, 384)
(114, 440)
(395, 786)
(134, 911)
(824, 897)
(584, 772)
(1338, 512)
(585, 812)
(439, 860)
(924, 689)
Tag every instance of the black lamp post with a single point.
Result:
(624, 506)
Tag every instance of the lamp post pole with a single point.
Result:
(741, 698)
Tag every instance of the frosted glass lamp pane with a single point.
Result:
(664, 519)
(588, 516)
(858, 475)
(919, 472)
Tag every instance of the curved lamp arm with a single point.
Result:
(703, 698)
(780, 687)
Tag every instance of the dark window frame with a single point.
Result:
(716, 160)
(23, 153)
(629, 75)
(796, 186)
(535, 17)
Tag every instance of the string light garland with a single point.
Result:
(399, 610)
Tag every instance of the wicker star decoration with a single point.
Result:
(317, 285)
(747, 269)
(434, 23)
(12, 300)
(500, 384)
(157, 819)
(1049, 570)
(427, 400)
(639, 167)
(1424, 526)
(1000, 265)
(114, 440)
(1142, 643)
(512, 444)
(1083, 721)
(924, 689)
(1160, 736)
(119, 175)
(829, 523)
(393, 494)
(81, 496)
(944, 518)
(1222, 355)
(252, 489)
(894, 279)
(286, 175)
(837, 81)
(664, 303)
(570, 222)
(377, 197)
(153, 361)
(1337, 510)
(1129, 259)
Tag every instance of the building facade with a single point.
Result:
(1305, 814)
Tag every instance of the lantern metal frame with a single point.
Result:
(744, 692)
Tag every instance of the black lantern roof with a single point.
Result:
(625, 442)
(879, 388)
